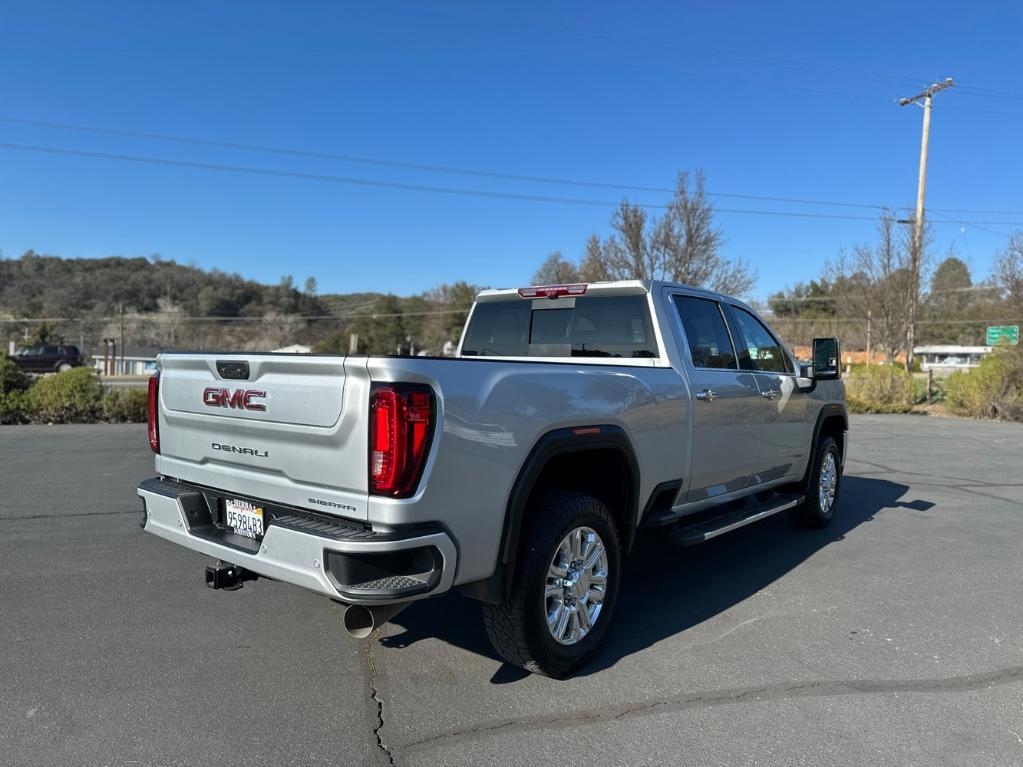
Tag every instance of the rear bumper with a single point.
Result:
(348, 563)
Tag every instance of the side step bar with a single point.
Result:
(704, 530)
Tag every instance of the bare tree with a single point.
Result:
(682, 245)
(170, 323)
(556, 271)
(876, 280)
(276, 330)
(691, 245)
(1008, 271)
(449, 306)
(593, 268)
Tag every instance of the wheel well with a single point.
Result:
(598, 462)
(603, 473)
(833, 426)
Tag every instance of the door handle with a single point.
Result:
(708, 395)
(769, 394)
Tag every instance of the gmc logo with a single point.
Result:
(243, 399)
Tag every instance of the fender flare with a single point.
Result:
(829, 410)
(554, 443)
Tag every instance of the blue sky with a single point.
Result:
(773, 99)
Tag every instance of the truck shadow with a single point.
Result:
(651, 607)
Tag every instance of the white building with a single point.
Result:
(946, 359)
(136, 361)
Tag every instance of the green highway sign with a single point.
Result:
(1002, 334)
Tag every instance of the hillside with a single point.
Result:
(169, 305)
(50, 286)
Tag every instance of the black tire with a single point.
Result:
(810, 512)
(63, 367)
(518, 628)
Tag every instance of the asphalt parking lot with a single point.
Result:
(893, 637)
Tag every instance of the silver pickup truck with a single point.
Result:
(519, 471)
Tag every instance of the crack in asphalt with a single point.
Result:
(961, 482)
(814, 689)
(973, 486)
(72, 514)
(371, 681)
(975, 491)
(891, 470)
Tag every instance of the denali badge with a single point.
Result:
(215, 396)
(243, 450)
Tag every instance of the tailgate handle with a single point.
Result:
(236, 369)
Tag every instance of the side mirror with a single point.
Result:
(826, 359)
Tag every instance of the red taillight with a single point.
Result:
(400, 426)
(154, 410)
(553, 291)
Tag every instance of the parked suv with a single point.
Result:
(47, 358)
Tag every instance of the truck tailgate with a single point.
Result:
(293, 430)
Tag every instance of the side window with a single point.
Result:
(761, 350)
(709, 343)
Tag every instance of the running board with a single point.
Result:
(704, 530)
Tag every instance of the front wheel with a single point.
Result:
(822, 490)
(564, 590)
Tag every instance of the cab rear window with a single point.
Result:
(587, 326)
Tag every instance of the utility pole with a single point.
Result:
(916, 254)
(122, 339)
(870, 316)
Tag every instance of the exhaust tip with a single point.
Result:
(358, 621)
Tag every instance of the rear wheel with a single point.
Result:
(822, 490)
(63, 367)
(565, 588)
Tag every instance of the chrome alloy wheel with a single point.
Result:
(576, 583)
(827, 483)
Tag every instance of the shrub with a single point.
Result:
(12, 378)
(880, 389)
(992, 390)
(126, 405)
(12, 407)
(69, 397)
(13, 384)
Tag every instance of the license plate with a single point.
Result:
(243, 518)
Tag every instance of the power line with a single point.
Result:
(859, 75)
(973, 89)
(975, 225)
(358, 181)
(381, 162)
(449, 169)
(319, 155)
(998, 112)
(978, 210)
(828, 69)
